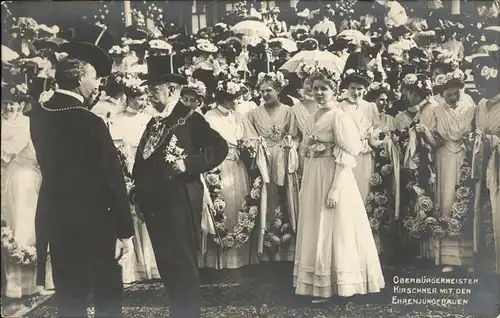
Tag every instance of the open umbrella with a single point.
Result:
(316, 57)
(353, 35)
(288, 44)
(252, 28)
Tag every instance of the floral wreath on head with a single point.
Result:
(276, 77)
(443, 79)
(446, 58)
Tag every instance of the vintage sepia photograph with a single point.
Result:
(248, 159)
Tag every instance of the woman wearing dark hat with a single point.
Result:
(346, 262)
(234, 128)
(193, 94)
(487, 119)
(271, 120)
(454, 116)
(355, 80)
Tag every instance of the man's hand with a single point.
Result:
(179, 166)
(124, 247)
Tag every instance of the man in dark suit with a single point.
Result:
(169, 192)
(83, 212)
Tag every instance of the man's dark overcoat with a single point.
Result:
(83, 204)
(172, 204)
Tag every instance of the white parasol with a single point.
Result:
(354, 35)
(288, 44)
(252, 28)
(313, 58)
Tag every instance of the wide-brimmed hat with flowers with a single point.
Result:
(378, 88)
(195, 86)
(417, 82)
(206, 46)
(451, 79)
(228, 88)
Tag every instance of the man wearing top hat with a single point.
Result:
(176, 147)
(83, 214)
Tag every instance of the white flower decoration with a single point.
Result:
(350, 71)
(410, 79)
(488, 72)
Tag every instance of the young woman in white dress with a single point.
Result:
(127, 128)
(454, 115)
(21, 180)
(233, 127)
(355, 80)
(335, 252)
(271, 120)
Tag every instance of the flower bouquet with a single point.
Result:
(25, 255)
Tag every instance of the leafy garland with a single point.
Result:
(419, 189)
(281, 232)
(25, 255)
(459, 225)
(380, 200)
(249, 209)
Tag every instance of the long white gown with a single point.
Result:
(126, 130)
(22, 185)
(235, 184)
(335, 251)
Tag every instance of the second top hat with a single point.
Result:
(159, 71)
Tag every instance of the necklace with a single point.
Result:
(64, 109)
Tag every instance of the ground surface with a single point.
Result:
(267, 289)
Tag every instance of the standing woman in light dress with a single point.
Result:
(335, 253)
(127, 128)
(454, 117)
(417, 118)
(487, 78)
(20, 186)
(355, 79)
(301, 111)
(233, 127)
(271, 121)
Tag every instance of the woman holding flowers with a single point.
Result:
(355, 79)
(415, 125)
(486, 167)
(454, 116)
(271, 120)
(236, 250)
(335, 252)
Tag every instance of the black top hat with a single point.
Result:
(159, 71)
(91, 43)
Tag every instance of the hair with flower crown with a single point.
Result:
(450, 79)
(18, 92)
(228, 88)
(276, 79)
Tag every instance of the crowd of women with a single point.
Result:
(351, 135)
